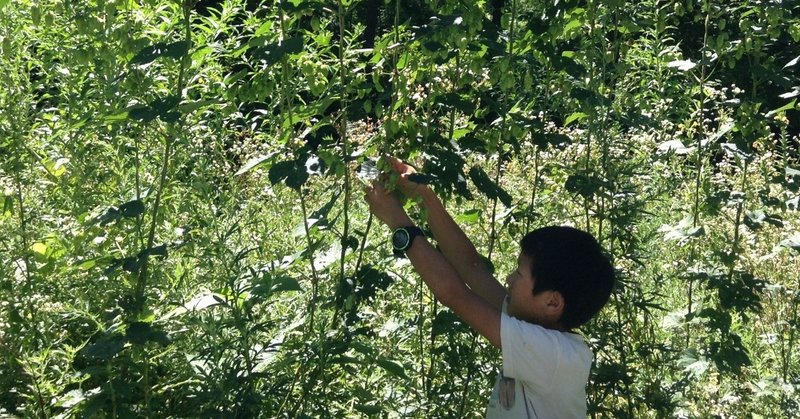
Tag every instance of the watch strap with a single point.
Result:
(413, 232)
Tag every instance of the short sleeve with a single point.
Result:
(531, 353)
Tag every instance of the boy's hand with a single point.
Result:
(408, 187)
(386, 206)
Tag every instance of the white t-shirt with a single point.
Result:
(544, 373)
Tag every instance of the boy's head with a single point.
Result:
(571, 262)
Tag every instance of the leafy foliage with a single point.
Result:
(182, 234)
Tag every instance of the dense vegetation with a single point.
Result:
(182, 232)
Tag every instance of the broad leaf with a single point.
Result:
(104, 348)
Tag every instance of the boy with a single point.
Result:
(562, 280)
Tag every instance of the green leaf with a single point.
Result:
(197, 303)
(423, 178)
(693, 363)
(571, 25)
(139, 333)
(40, 249)
(583, 184)
(87, 264)
(7, 207)
(370, 281)
(291, 171)
(577, 116)
(792, 242)
(469, 217)
(142, 113)
(162, 105)
(683, 231)
(253, 163)
(488, 187)
(393, 367)
(285, 283)
(273, 53)
(787, 107)
(176, 49)
(150, 53)
(682, 65)
(160, 250)
(132, 209)
(117, 117)
(104, 348)
(368, 409)
(189, 107)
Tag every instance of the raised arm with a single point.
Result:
(437, 273)
(456, 247)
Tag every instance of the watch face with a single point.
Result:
(400, 239)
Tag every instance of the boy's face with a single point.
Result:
(544, 308)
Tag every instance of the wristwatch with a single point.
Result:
(403, 237)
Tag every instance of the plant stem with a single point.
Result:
(345, 140)
(314, 276)
(737, 223)
(698, 165)
(139, 294)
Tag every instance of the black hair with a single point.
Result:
(570, 261)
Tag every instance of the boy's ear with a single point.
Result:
(555, 303)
